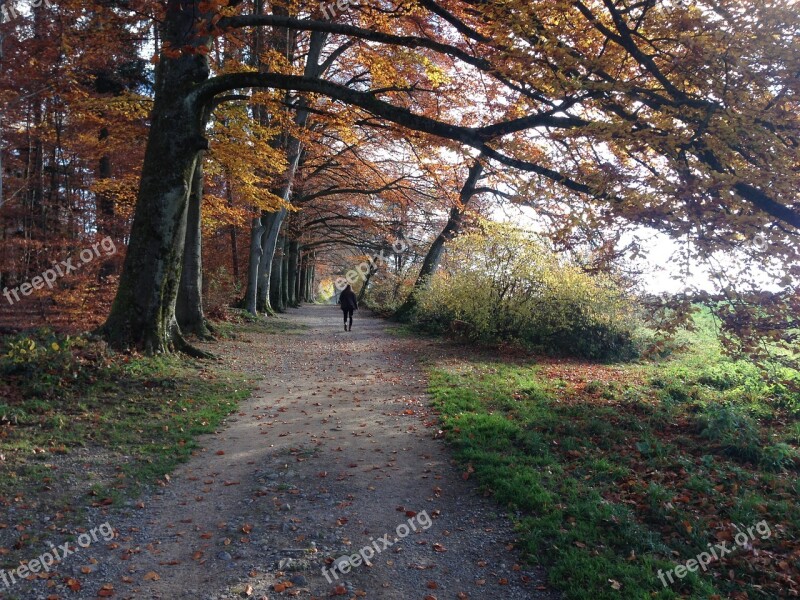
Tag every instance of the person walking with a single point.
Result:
(348, 303)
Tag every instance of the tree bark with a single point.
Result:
(255, 265)
(294, 249)
(143, 312)
(272, 225)
(312, 274)
(302, 278)
(276, 297)
(285, 274)
(189, 307)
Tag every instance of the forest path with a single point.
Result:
(325, 459)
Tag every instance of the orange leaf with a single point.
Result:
(73, 584)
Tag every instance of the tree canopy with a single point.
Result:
(350, 124)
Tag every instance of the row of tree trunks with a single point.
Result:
(266, 230)
(292, 275)
(307, 276)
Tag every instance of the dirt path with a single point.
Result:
(334, 454)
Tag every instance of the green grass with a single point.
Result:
(616, 472)
(244, 322)
(77, 420)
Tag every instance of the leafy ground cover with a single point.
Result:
(81, 426)
(619, 474)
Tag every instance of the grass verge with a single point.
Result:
(81, 426)
(617, 475)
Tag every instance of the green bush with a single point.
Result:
(503, 285)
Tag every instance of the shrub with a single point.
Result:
(386, 291)
(503, 285)
(46, 364)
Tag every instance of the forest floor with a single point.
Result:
(336, 453)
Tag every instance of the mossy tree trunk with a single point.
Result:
(143, 312)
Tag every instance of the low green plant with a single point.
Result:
(45, 364)
(733, 429)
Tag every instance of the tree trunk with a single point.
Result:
(143, 313)
(285, 274)
(294, 249)
(302, 288)
(255, 266)
(363, 291)
(272, 225)
(312, 274)
(451, 230)
(276, 297)
(189, 307)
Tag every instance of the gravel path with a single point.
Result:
(333, 455)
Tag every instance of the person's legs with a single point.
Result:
(351, 319)
(344, 313)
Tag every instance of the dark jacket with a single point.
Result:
(348, 300)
